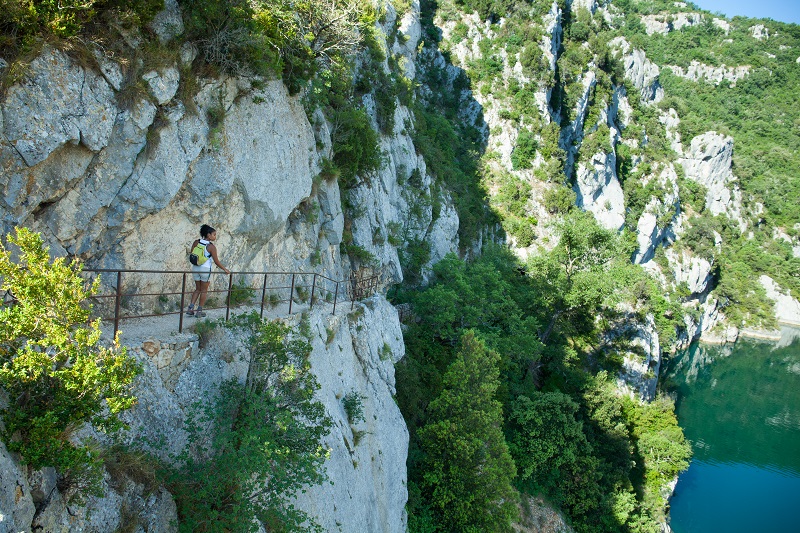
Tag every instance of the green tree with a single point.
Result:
(575, 276)
(56, 373)
(663, 451)
(550, 448)
(264, 444)
(467, 466)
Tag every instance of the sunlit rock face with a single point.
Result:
(124, 179)
(708, 161)
(787, 309)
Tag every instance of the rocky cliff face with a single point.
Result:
(352, 354)
(123, 179)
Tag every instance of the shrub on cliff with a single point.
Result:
(55, 372)
(255, 447)
(22, 22)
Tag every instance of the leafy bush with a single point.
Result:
(525, 150)
(559, 199)
(22, 22)
(254, 448)
(352, 402)
(413, 258)
(359, 253)
(355, 145)
(295, 39)
(57, 374)
(240, 294)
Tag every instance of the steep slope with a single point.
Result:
(572, 96)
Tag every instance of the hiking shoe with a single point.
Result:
(199, 313)
(190, 311)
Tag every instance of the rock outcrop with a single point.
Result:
(656, 223)
(352, 353)
(665, 23)
(697, 71)
(708, 161)
(641, 359)
(598, 190)
(787, 309)
(367, 465)
(642, 72)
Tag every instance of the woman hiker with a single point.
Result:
(201, 272)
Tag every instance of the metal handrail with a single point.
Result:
(359, 286)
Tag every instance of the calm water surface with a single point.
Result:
(740, 407)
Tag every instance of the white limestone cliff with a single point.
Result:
(353, 352)
(787, 308)
(642, 72)
(697, 71)
(641, 355)
(665, 23)
(657, 221)
(708, 161)
(124, 181)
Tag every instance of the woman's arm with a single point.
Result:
(213, 251)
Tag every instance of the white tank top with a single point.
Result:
(210, 261)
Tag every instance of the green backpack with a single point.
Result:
(198, 255)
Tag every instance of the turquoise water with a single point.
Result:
(740, 408)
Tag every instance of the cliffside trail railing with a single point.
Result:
(126, 300)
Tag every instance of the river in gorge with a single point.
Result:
(739, 405)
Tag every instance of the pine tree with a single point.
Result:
(468, 469)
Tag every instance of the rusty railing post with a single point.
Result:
(183, 300)
(353, 294)
(228, 299)
(335, 296)
(117, 302)
(291, 294)
(263, 295)
(313, 286)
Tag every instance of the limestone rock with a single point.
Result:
(410, 30)
(16, 503)
(59, 102)
(672, 22)
(656, 224)
(787, 309)
(163, 84)
(698, 71)
(642, 72)
(722, 24)
(168, 23)
(110, 69)
(704, 327)
(671, 122)
(695, 272)
(759, 32)
(725, 334)
(641, 361)
(367, 462)
(551, 41)
(598, 190)
(590, 5)
(122, 503)
(708, 162)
